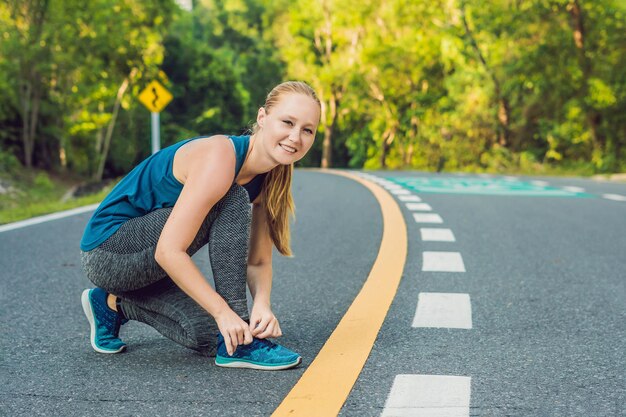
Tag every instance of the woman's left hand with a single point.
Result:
(263, 323)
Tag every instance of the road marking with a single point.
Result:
(428, 396)
(393, 186)
(325, 385)
(418, 206)
(539, 183)
(48, 217)
(442, 262)
(477, 186)
(615, 197)
(443, 310)
(573, 189)
(427, 218)
(510, 178)
(409, 198)
(437, 235)
(374, 178)
(400, 192)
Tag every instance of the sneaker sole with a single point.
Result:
(238, 363)
(84, 298)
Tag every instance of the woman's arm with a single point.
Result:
(263, 323)
(260, 256)
(208, 179)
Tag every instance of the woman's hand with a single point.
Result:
(235, 331)
(263, 323)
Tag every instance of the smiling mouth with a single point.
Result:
(288, 148)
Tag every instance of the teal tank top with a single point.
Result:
(149, 186)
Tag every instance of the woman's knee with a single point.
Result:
(235, 204)
(201, 332)
(237, 196)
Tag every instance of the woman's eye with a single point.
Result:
(309, 131)
(288, 122)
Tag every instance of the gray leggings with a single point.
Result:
(124, 265)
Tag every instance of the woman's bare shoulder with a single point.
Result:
(210, 143)
(195, 154)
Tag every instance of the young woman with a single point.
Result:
(138, 244)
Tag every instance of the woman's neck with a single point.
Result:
(256, 161)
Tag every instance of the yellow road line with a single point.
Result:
(325, 385)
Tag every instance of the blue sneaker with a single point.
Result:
(260, 354)
(105, 323)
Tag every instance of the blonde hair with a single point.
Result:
(276, 193)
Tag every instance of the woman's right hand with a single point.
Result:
(234, 330)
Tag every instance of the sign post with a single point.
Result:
(155, 97)
(156, 132)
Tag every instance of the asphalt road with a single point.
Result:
(547, 282)
(545, 275)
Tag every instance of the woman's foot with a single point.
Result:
(105, 323)
(260, 354)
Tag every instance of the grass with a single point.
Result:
(36, 192)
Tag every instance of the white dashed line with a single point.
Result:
(409, 198)
(48, 217)
(419, 206)
(437, 235)
(539, 183)
(573, 189)
(400, 192)
(443, 262)
(433, 395)
(615, 197)
(443, 310)
(427, 218)
(428, 396)
(509, 178)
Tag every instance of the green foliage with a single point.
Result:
(487, 85)
(9, 164)
(42, 182)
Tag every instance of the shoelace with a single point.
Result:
(258, 344)
(266, 344)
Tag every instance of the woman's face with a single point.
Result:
(288, 129)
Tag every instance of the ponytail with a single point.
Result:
(278, 204)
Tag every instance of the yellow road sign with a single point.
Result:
(155, 97)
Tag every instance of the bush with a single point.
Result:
(43, 182)
(9, 163)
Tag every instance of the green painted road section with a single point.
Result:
(483, 186)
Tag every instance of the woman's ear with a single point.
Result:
(260, 117)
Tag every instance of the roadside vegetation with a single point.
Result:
(515, 87)
(35, 192)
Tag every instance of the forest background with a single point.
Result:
(515, 86)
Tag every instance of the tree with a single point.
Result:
(319, 41)
(26, 20)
